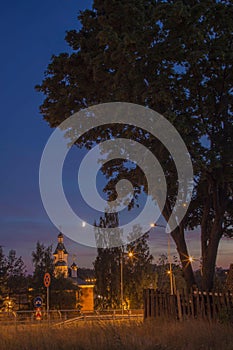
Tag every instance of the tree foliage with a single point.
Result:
(63, 293)
(16, 272)
(136, 269)
(12, 275)
(107, 265)
(162, 270)
(43, 262)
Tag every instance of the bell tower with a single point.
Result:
(60, 257)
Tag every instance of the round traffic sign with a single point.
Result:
(47, 279)
(38, 301)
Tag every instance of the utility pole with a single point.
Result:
(170, 265)
(170, 272)
(122, 283)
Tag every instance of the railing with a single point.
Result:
(65, 317)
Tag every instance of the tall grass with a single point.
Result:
(122, 335)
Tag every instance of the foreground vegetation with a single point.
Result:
(188, 335)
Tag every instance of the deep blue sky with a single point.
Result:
(31, 31)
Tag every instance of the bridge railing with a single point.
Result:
(56, 316)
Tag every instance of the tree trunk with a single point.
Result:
(182, 249)
(178, 236)
(216, 199)
(209, 255)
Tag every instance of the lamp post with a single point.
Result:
(130, 255)
(122, 287)
(170, 272)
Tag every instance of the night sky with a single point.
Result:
(31, 31)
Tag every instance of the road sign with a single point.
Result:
(38, 314)
(47, 279)
(38, 301)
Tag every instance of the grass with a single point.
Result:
(125, 335)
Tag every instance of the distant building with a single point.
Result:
(85, 293)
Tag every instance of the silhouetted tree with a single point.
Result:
(16, 273)
(138, 271)
(106, 265)
(43, 262)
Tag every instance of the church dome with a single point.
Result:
(74, 266)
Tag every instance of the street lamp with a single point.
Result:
(130, 255)
(191, 259)
(169, 272)
(8, 304)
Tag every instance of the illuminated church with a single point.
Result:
(60, 258)
(85, 294)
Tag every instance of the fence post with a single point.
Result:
(191, 297)
(146, 303)
(208, 311)
(152, 303)
(179, 305)
(214, 306)
(186, 302)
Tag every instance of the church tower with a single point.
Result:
(60, 258)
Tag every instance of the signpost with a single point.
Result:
(38, 314)
(38, 301)
(47, 281)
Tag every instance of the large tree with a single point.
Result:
(176, 58)
(13, 279)
(138, 269)
(107, 265)
(43, 262)
(12, 272)
(204, 52)
(16, 272)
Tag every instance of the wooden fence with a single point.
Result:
(183, 305)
